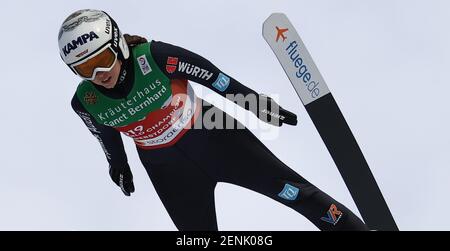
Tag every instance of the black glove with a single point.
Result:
(122, 176)
(270, 112)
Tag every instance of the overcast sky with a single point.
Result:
(386, 62)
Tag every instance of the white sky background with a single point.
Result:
(386, 63)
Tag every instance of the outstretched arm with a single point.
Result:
(177, 62)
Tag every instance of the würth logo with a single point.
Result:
(172, 63)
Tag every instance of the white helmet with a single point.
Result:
(85, 33)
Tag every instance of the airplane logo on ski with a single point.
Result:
(280, 33)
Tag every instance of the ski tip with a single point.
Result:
(269, 22)
(274, 15)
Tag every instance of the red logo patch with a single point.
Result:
(172, 63)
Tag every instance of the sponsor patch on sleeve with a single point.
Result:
(289, 192)
(222, 82)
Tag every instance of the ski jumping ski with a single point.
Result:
(310, 86)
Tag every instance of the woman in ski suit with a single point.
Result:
(141, 89)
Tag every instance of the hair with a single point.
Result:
(133, 40)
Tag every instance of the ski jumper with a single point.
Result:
(154, 104)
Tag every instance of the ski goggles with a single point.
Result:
(102, 60)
